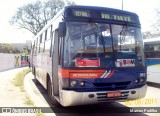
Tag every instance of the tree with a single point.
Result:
(24, 52)
(156, 25)
(34, 16)
(7, 48)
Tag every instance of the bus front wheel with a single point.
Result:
(54, 102)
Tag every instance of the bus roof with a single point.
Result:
(113, 11)
(152, 40)
(100, 13)
(101, 8)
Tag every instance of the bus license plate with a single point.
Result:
(114, 94)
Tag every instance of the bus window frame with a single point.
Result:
(42, 47)
(52, 44)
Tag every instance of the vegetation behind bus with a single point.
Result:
(7, 48)
(34, 16)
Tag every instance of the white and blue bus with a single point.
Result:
(83, 57)
(152, 52)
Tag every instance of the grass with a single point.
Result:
(39, 114)
(28, 101)
(18, 79)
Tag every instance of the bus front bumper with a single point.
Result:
(72, 98)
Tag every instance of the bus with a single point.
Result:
(152, 52)
(25, 60)
(89, 55)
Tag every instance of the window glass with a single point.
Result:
(47, 45)
(43, 37)
(86, 42)
(48, 33)
(41, 47)
(102, 45)
(40, 38)
(152, 50)
(128, 46)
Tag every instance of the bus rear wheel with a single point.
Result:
(52, 99)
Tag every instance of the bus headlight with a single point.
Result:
(136, 81)
(141, 80)
(82, 83)
(73, 83)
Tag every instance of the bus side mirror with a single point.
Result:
(62, 29)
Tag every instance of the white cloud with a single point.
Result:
(10, 34)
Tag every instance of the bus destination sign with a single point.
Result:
(116, 17)
(103, 15)
(81, 13)
(106, 15)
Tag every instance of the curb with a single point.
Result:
(29, 87)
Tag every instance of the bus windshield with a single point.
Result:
(102, 45)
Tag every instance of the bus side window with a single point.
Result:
(147, 55)
(45, 37)
(42, 47)
(49, 33)
(47, 45)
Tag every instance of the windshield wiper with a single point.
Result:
(123, 35)
(100, 36)
(95, 25)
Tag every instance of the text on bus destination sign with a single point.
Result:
(116, 17)
(81, 13)
(103, 15)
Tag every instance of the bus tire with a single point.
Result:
(52, 99)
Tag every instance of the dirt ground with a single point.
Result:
(10, 95)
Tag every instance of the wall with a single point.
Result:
(10, 61)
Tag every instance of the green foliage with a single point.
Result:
(18, 79)
(34, 16)
(39, 114)
(7, 48)
(24, 52)
(28, 101)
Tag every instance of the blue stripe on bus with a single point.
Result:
(153, 61)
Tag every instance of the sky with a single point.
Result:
(11, 34)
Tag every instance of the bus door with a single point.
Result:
(57, 59)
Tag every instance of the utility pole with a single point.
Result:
(122, 4)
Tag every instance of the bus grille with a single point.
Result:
(102, 97)
(112, 86)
